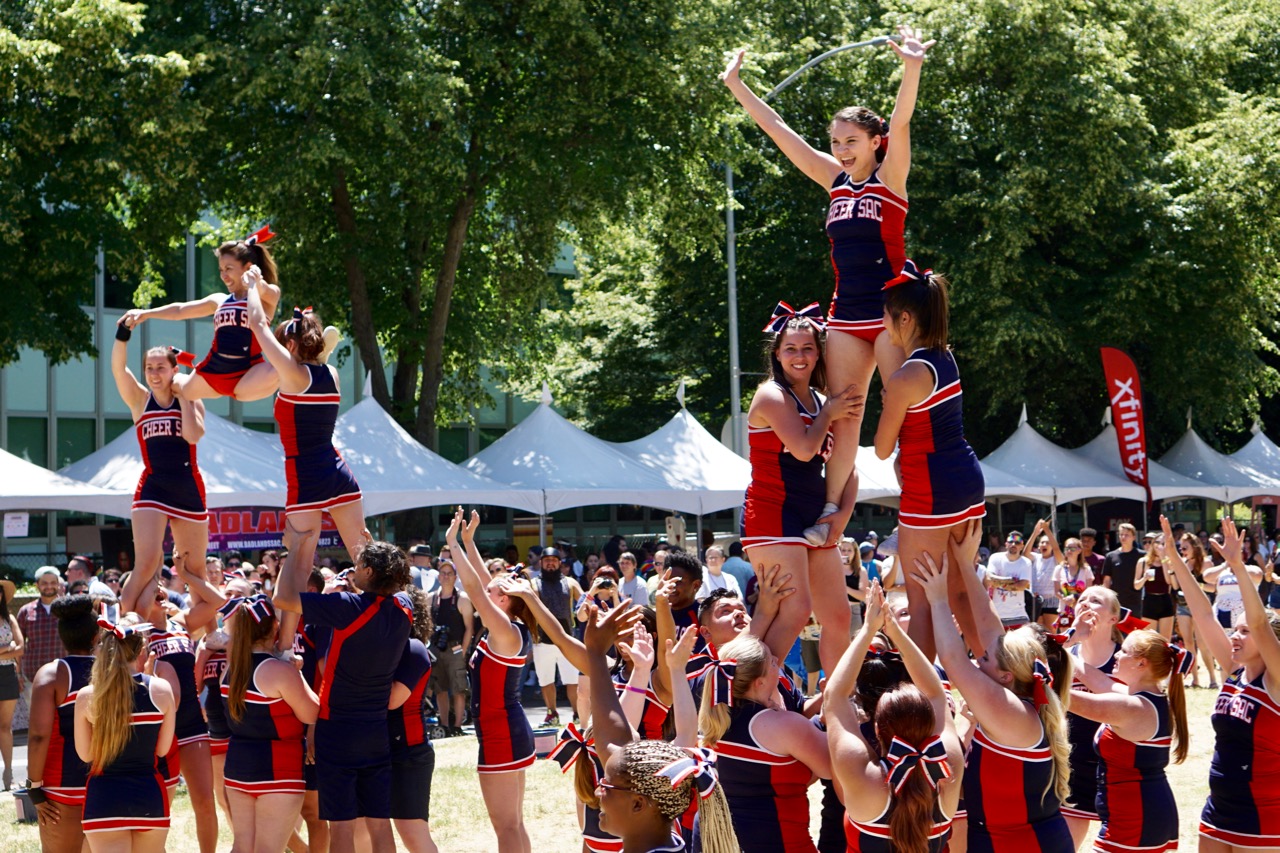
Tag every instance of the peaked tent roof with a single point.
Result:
(27, 486)
(395, 472)
(689, 457)
(1031, 458)
(1191, 456)
(240, 467)
(1261, 456)
(573, 468)
(1104, 451)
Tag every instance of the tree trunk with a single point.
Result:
(433, 357)
(362, 330)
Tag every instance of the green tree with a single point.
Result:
(92, 142)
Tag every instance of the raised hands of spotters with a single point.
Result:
(847, 404)
(517, 587)
(731, 70)
(640, 647)
(455, 524)
(970, 540)
(469, 529)
(1231, 548)
(773, 585)
(933, 578)
(909, 47)
(679, 652)
(876, 610)
(602, 631)
(666, 588)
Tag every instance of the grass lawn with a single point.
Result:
(460, 824)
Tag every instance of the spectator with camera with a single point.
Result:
(455, 621)
(558, 592)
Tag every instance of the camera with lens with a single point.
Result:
(440, 638)
(605, 583)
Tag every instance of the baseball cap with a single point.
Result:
(873, 536)
(48, 570)
(865, 547)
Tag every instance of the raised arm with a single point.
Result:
(677, 656)
(608, 720)
(173, 311)
(131, 390)
(820, 166)
(773, 585)
(294, 376)
(1255, 612)
(1211, 633)
(505, 635)
(855, 767)
(897, 160)
(635, 691)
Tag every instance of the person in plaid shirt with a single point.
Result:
(40, 628)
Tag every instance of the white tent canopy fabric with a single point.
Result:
(240, 467)
(686, 456)
(573, 468)
(27, 486)
(1001, 484)
(1104, 451)
(1260, 456)
(1192, 457)
(1031, 458)
(396, 473)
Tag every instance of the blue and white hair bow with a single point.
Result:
(700, 765)
(784, 313)
(931, 759)
(258, 606)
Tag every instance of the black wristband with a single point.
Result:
(123, 332)
(37, 795)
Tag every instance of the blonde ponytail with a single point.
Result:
(112, 680)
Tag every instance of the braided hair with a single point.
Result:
(642, 759)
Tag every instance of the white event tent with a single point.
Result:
(240, 467)
(1192, 457)
(1104, 451)
(395, 472)
(27, 486)
(1261, 456)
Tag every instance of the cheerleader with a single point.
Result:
(904, 801)
(1142, 712)
(413, 759)
(124, 720)
(942, 484)
(1243, 809)
(1013, 787)
(306, 411)
(789, 430)
(211, 664)
(767, 756)
(647, 785)
(170, 641)
(268, 706)
(866, 177)
(503, 731)
(234, 367)
(171, 490)
(58, 793)
(1095, 649)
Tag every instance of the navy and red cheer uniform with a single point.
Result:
(173, 646)
(215, 711)
(318, 477)
(785, 494)
(171, 481)
(767, 792)
(506, 738)
(942, 483)
(234, 349)
(353, 751)
(266, 751)
(311, 644)
(64, 773)
(129, 793)
(1135, 802)
(1010, 801)
(1084, 757)
(865, 225)
(597, 840)
(873, 836)
(413, 760)
(654, 714)
(1243, 808)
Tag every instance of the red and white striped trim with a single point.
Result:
(483, 648)
(602, 845)
(270, 786)
(928, 522)
(1238, 839)
(350, 497)
(938, 397)
(508, 767)
(1079, 814)
(310, 399)
(171, 511)
(1041, 753)
(203, 736)
(755, 755)
(855, 325)
(66, 796)
(125, 824)
(1112, 847)
(749, 542)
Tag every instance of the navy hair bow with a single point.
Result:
(1128, 622)
(1182, 659)
(910, 272)
(258, 606)
(1043, 678)
(721, 673)
(298, 315)
(260, 236)
(701, 765)
(931, 758)
(784, 313)
(571, 747)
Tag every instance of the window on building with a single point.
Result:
(113, 428)
(489, 436)
(29, 439)
(75, 440)
(118, 288)
(27, 383)
(451, 443)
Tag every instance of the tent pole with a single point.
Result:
(999, 518)
(542, 522)
(697, 537)
(1084, 511)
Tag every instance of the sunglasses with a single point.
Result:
(607, 786)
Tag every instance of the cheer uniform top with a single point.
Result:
(767, 792)
(64, 773)
(597, 840)
(942, 483)
(1009, 798)
(1244, 776)
(215, 712)
(1135, 802)
(506, 738)
(318, 477)
(406, 725)
(129, 793)
(1084, 757)
(785, 495)
(173, 646)
(266, 751)
(873, 836)
(171, 481)
(234, 349)
(654, 714)
(865, 223)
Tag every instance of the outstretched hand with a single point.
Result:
(1231, 548)
(451, 535)
(640, 648)
(469, 529)
(933, 578)
(602, 632)
(731, 70)
(679, 652)
(875, 618)
(910, 48)
(516, 586)
(773, 586)
(846, 404)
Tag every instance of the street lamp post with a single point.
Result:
(731, 255)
